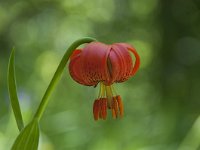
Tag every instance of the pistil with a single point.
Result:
(109, 95)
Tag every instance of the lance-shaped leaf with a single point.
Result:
(28, 138)
(13, 91)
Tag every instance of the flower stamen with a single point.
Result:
(104, 108)
(109, 95)
(120, 105)
(115, 107)
(96, 109)
(107, 99)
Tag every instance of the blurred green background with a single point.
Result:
(162, 102)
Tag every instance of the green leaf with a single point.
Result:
(28, 138)
(13, 91)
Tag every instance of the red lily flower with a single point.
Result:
(104, 64)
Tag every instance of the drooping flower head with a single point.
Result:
(98, 63)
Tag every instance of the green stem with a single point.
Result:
(58, 74)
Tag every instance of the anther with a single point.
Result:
(120, 105)
(115, 106)
(96, 109)
(100, 109)
(104, 108)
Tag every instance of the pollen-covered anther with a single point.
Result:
(96, 109)
(100, 109)
(104, 108)
(114, 108)
(117, 107)
(120, 105)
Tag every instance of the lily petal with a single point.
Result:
(94, 62)
(75, 53)
(75, 67)
(137, 57)
(121, 63)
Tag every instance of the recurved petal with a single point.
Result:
(94, 62)
(75, 53)
(137, 57)
(75, 67)
(121, 63)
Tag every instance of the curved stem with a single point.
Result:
(58, 74)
